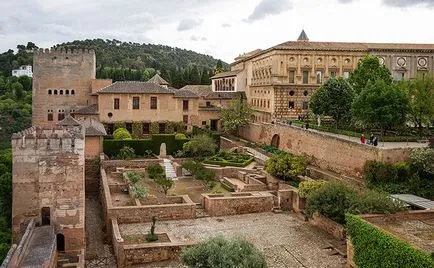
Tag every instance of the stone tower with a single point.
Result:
(62, 81)
(48, 183)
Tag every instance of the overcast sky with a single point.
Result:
(221, 28)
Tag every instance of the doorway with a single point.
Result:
(214, 124)
(45, 216)
(275, 141)
(60, 240)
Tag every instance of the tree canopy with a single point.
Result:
(236, 115)
(380, 105)
(334, 99)
(369, 69)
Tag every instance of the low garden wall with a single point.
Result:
(335, 229)
(237, 203)
(134, 254)
(136, 163)
(175, 208)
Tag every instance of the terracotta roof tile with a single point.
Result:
(135, 87)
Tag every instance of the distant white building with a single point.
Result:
(22, 71)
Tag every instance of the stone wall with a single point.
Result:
(237, 203)
(139, 163)
(48, 179)
(322, 150)
(136, 254)
(93, 147)
(181, 208)
(328, 225)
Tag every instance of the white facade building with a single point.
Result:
(22, 71)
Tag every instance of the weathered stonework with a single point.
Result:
(48, 182)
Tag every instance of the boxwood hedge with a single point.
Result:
(140, 146)
(375, 248)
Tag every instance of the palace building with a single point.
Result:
(279, 81)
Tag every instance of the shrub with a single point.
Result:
(219, 252)
(154, 170)
(121, 134)
(192, 166)
(134, 177)
(200, 146)
(139, 191)
(180, 136)
(377, 172)
(204, 175)
(306, 187)
(423, 160)
(126, 153)
(374, 247)
(285, 166)
(164, 182)
(334, 199)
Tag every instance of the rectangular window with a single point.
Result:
(305, 105)
(203, 123)
(129, 127)
(61, 115)
(116, 103)
(346, 75)
(136, 103)
(305, 77)
(146, 128)
(185, 119)
(291, 105)
(208, 104)
(333, 74)
(400, 76)
(291, 77)
(185, 105)
(50, 115)
(154, 103)
(162, 128)
(319, 77)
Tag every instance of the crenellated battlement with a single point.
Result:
(62, 51)
(49, 139)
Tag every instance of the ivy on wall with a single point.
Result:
(375, 248)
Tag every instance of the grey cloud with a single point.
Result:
(408, 3)
(226, 25)
(188, 24)
(346, 1)
(198, 38)
(269, 7)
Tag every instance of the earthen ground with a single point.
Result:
(286, 240)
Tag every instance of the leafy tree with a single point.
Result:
(369, 69)
(30, 46)
(154, 170)
(219, 67)
(200, 146)
(423, 159)
(421, 105)
(219, 252)
(380, 105)
(164, 182)
(334, 99)
(126, 153)
(139, 191)
(17, 88)
(285, 166)
(236, 115)
(121, 134)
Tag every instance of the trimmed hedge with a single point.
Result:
(140, 146)
(224, 159)
(375, 248)
(227, 187)
(197, 130)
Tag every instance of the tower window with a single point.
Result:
(55, 92)
(67, 92)
(50, 92)
(72, 92)
(61, 92)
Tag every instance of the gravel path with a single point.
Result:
(285, 240)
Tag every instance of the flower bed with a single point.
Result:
(229, 159)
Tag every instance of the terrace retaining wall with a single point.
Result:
(237, 203)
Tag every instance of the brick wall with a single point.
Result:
(324, 151)
(139, 163)
(93, 147)
(237, 203)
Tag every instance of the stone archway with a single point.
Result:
(275, 141)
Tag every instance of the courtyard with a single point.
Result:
(285, 239)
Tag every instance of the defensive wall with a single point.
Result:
(324, 151)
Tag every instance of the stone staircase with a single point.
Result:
(169, 170)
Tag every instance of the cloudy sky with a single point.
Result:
(221, 28)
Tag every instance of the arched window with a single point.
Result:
(67, 92)
(72, 92)
(50, 92)
(55, 92)
(61, 92)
